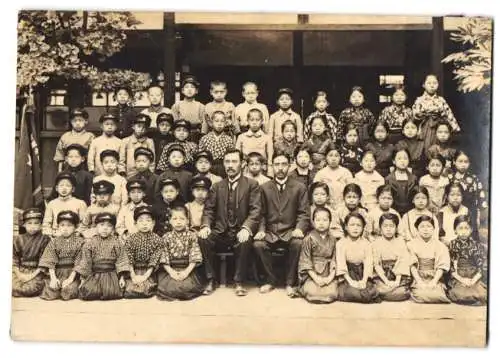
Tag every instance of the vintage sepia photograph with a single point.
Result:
(252, 178)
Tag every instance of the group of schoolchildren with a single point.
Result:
(394, 206)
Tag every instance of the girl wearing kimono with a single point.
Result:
(27, 278)
(467, 258)
(429, 108)
(60, 257)
(143, 250)
(319, 196)
(103, 260)
(381, 148)
(358, 115)
(354, 263)
(429, 261)
(442, 146)
(420, 200)
(352, 204)
(391, 261)
(414, 145)
(402, 181)
(385, 195)
(395, 114)
(317, 283)
(446, 217)
(318, 142)
(177, 280)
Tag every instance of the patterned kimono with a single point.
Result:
(394, 115)
(350, 157)
(407, 225)
(317, 146)
(361, 117)
(355, 257)
(428, 257)
(102, 261)
(283, 146)
(428, 110)
(373, 219)
(474, 194)
(383, 155)
(317, 254)
(61, 254)
(446, 218)
(181, 249)
(26, 253)
(331, 125)
(190, 148)
(467, 259)
(143, 251)
(392, 256)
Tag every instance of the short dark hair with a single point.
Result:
(388, 216)
(255, 110)
(217, 83)
(385, 189)
(321, 210)
(378, 124)
(357, 89)
(408, 120)
(234, 150)
(320, 94)
(422, 219)
(447, 189)
(179, 207)
(217, 112)
(318, 185)
(354, 215)
(256, 155)
(442, 122)
(301, 148)
(436, 156)
(280, 153)
(461, 219)
(352, 188)
(288, 122)
(400, 149)
(419, 190)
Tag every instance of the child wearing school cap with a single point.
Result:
(109, 159)
(137, 139)
(75, 157)
(203, 165)
(103, 190)
(189, 109)
(103, 263)
(143, 158)
(124, 111)
(143, 249)
(162, 135)
(78, 119)
(200, 185)
(181, 130)
(125, 224)
(27, 278)
(59, 259)
(107, 141)
(62, 199)
(176, 157)
(170, 191)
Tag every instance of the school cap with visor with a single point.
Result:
(174, 148)
(68, 215)
(190, 79)
(78, 147)
(136, 184)
(144, 151)
(32, 213)
(143, 118)
(143, 210)
(201, 182)
(79, 112)
(181, 123)
(108, 116)
(170, 181)
(105, 217)
(103, 187)
(204, 154)
(109, 153)
(165, 117)
(67, 176)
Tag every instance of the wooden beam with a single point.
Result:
(303, 27)
(169, 57)
(437, 53)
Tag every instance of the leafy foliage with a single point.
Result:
(73, 46)
(472, 64)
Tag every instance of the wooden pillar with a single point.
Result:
(298, 63)
(169, 57)
(437, 53)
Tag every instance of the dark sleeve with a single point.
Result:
(17, 251)
(253, 218)
(263, 210)
(303, 210)
(305, 258)
(210, 207)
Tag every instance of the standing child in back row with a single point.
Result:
(218, 91)
(189, 109)
(155, 96)
(321, 105)
(250, 93)
(79, 119)
(284, 114)
(107, 141)
(358, 115)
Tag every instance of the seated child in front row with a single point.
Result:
(420, 200)
(64, 186)
(27, 278)
(203, 164)
(125, 222)
(354, 258)
(143, 158)
(177, 278)
(109, 159)
(402, 181)
(391, 261)
(335, 175)
(102, 192)
(302, 171)
(103, 259)
(319, 196)
(143, 250)
(454, 194)
(435, 182)
(199, 190)
(350, 150)
(429, 261)
(255, 167)
(59, 259)
(369, 180)
(385, 195)
(75, 164)
(317, 281)
(467, 258)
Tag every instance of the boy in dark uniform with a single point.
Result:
(169, 197)
(176, 158)
(75, 164)
(143, 158)
(124, 112)
(162, 135)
